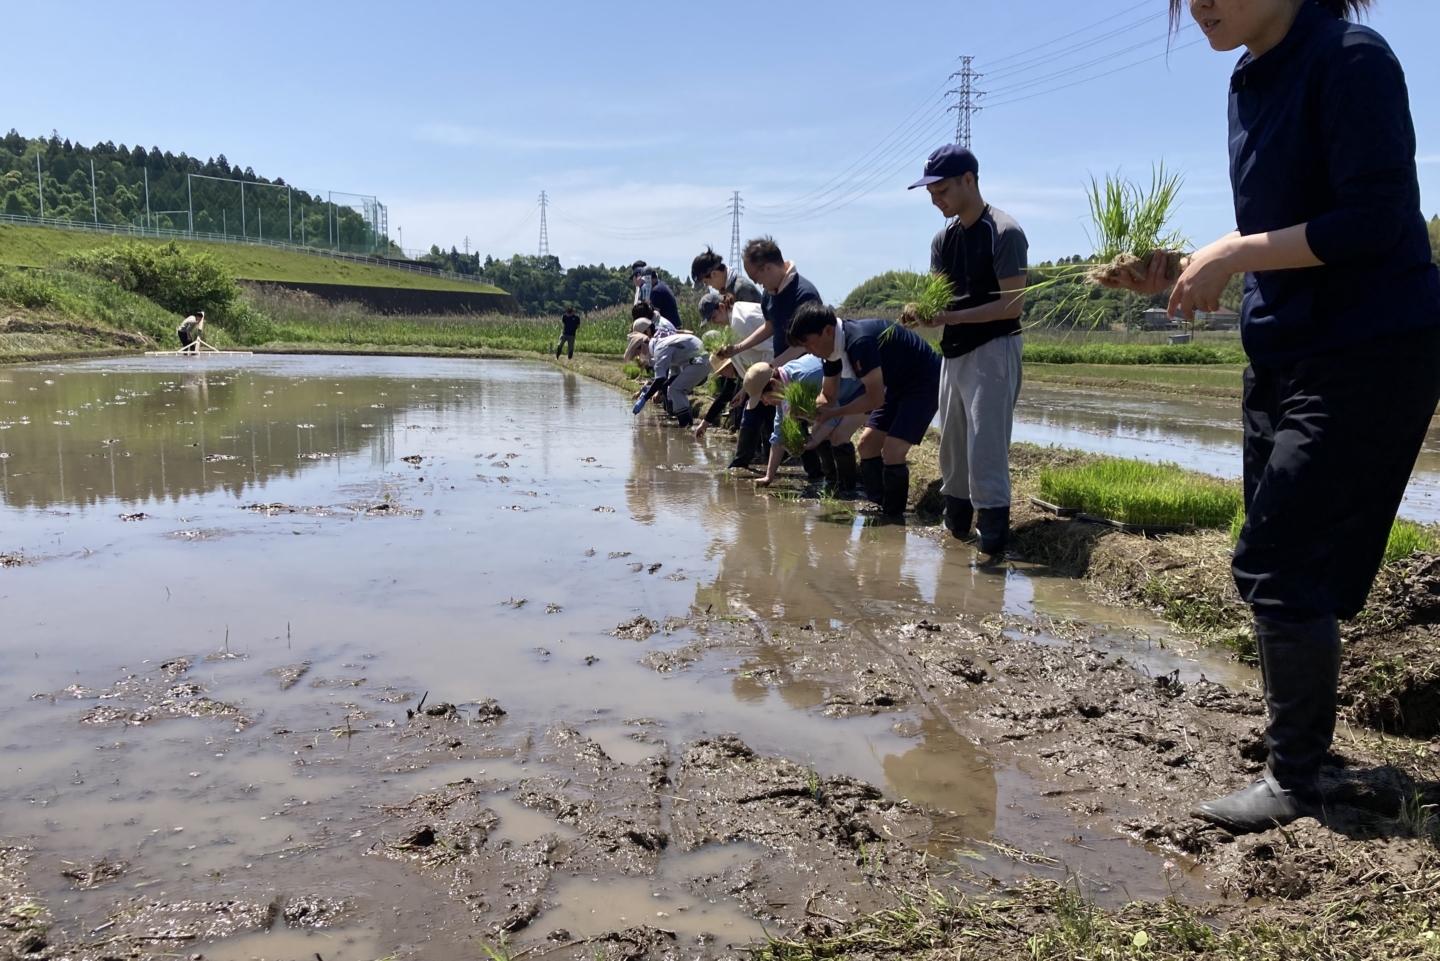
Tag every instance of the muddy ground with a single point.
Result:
(828, 864)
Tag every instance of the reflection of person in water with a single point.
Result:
(189, 332)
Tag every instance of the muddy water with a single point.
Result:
(329, 539)
(1201, 433)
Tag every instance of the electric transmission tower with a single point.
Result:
(544, 230)
(967, 100)
(736, 209)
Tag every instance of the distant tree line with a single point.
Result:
(542, 286)
(119, 193)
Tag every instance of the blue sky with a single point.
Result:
(640, 119)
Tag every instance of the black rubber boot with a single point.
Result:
(721, 402)
(897, 491)
(959, 515)
(847, 478)
(745, 446)
(1300, 661)
(826, 453)
(814, 467)
(685, 418)
(872, 478)
(993, 526)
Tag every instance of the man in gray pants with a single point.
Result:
(680, 367)
(983, 252)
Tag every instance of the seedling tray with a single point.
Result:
(1055, 509)
(1144, 530)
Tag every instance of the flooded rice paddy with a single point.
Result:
(274, 621)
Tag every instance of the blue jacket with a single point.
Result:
(1321, 134)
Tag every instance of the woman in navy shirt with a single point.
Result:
(1341, 322)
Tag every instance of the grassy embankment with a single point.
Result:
(46, 247)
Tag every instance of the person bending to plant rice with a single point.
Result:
(1341, 321)
(679, 367)
(982, 252)
(830, 439)
(742, 318)
(189, 332)
(901, 376)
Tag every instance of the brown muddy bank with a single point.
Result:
(536, 838)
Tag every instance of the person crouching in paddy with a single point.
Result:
(901, 376)
(830, 439)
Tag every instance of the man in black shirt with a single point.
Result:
(983, 252)
(569, 324)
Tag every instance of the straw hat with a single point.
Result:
(637, 344)
(757, 378)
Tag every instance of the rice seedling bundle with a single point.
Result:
(1136, 492)
(792, 435)
(922, 296)
(802, 399)
(1131, 223)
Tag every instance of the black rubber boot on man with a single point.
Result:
(745, 446)
(814, 469)
(826, 453)
(685, 418)
(896, 478)
(993, 526)
(959, 515)
(847, 478)
(1301, 665)
(872, 478)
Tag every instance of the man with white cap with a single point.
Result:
(680, 367)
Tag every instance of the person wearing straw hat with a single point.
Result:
(829, 439)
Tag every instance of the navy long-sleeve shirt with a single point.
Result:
(662, 298)
(1321, 134)
(780, 308)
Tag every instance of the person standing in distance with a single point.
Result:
(983, 252)
(1341, 322)
(569, 324)
(657, 294)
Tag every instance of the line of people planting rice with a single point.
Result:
(1341, 323)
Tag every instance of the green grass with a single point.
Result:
(66, 295)
(43, 246)
(1136, 492)
(1179, 376)
(1406, 537)
(1114, 354)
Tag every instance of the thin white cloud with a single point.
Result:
(1433, 158)
(460, 135)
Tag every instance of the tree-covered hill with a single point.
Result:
(271, 208)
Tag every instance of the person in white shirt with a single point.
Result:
(744, 318)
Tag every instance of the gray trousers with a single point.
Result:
(977, 405)
(690, 376)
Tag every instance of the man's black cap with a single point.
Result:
(951, 160)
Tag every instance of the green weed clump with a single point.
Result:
(1136, 492)
(1133, 354)
(1408, 537)
(180, 280)
(86, 299)
(802, 399)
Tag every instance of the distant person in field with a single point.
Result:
(983, 252)
(189, 332)
(709, 269)
(1342, 325)
(569, 324)
(901, 376)
(784, 291)
(642, 290)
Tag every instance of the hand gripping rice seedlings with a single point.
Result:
(1131, 223)
(801, 399)
(922, 296)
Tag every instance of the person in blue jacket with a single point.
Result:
(900, 372)
(1341, 322)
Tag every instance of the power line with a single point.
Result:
(992, 64)
(1084, 80)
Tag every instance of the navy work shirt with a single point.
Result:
(780, 308)
(1321, 134)
(905, 359)
(570, 323)
(662, 298)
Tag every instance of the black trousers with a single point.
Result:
(722, 400)
(1330, 442)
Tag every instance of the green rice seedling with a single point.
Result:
(1237, 524)
(792, 435)
(1136, 492)
(718, 337)
(1133, 354)
(631, 371)
(1131, 223)
(922, 296)
(802, 399)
